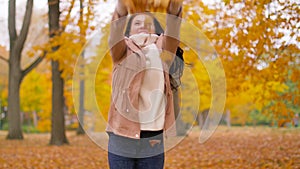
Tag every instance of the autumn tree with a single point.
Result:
(16, 73)
(35, 94)
(258, 43)
(58, 136)
(68, 36)
(80, 129)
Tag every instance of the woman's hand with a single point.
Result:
(136, 6)
(132, 6)
(174, 7)
(123, 6)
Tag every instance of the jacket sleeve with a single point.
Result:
(116, 40)
(171, 37)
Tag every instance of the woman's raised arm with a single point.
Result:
(116, 41)
(173, 23)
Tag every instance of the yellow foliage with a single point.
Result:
(150, 5)
(44, 125)
(35, 95)
(257, 71)
(103, 85)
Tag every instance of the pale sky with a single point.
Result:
(37, 34)
(40, 9)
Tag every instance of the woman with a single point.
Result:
(141, 108)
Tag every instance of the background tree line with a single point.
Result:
(257, 42)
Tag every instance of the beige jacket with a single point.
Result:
(128, 73)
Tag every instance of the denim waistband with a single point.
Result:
(150, 144)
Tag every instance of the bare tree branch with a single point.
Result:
(69, 14)
(12, 21)
(33, 65)
(25, 27)
(4, 59)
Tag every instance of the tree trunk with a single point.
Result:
(228, 122)
(35, 119)
(202, 117)
(58, 136)
(80, 129)
(16, 74)
(14, 116)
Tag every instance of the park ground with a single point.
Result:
(235, 147)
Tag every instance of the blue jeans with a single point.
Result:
(121, 162)
(144, 153)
